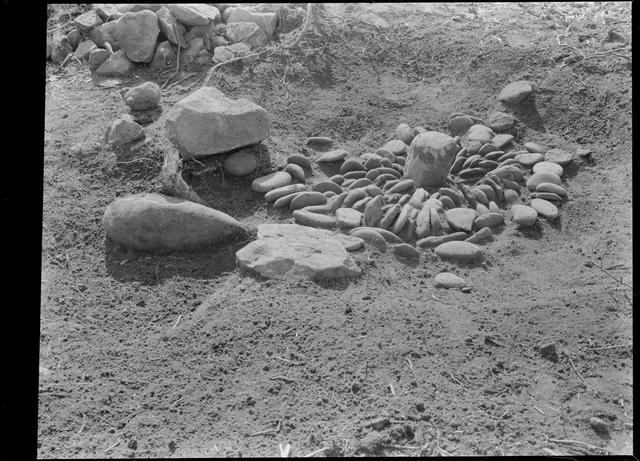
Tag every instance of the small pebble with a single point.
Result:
(583, 153)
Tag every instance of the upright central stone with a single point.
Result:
(430, 157)
(207, 122)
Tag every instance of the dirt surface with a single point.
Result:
(146, 355)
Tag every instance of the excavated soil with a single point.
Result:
(145, 355)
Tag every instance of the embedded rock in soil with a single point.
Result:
(430, 157)
(136, 34)
(524, 216)
(551, 167)
(300, 160)
(404, 133)
(87, 21)
(480, 133)
(544, 208)
(461, 219)
(227, 53)
(155, 222)
(266, 21)
(372, 237)
(511, 196)
(515, 92)
(459, 251)
(501, 122)
(271, 181)
(559, 156)
(246, 32)
(292, 250)
(396, 147)
(332, 156)
(116, 64)
(143, 97)
(207, 122)
(172, 29)
(348, 217)
(480, 236)
(319, 142)
(241, 163)
(435, 241)
(194, 14)
(404, 250)
(351, 165)
(123, 131)
(448, 280)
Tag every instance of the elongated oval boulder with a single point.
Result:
(285, 200)
(490, 219)
(385, 234)
(283, 191)
(479, 236)
(324, 186)
(553, 188)
(295, 171)
(155, 222)
(435, 241)
(207, 122)
(136, 34)
(371, 237)
(430, 157)
(336, 155)
(306, 218)
(373, 212)
(352, 165)
(292, 250)
(459, 251)
(404, 250)
(271, 181)
(524, 216)
(544, 208)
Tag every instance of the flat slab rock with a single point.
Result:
(291, 250)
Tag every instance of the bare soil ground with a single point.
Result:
(179, 355)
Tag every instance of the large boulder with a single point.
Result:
(207, 122)
(266, 21)
(246, 32)
(137, 33)
(194, 14)
(293, 250)
(430, 157)
(155, 222)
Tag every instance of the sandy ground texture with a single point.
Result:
(175, 355)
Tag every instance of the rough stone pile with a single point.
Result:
(113, 38)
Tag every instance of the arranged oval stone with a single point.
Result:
(488, 164)
(337, 201)
(544, 208)
(386, 153)
(524, 216)
(501, 140)
(307, 199)
(457, 165)
(546, 196)
(491, 219)
(332, 156)
(515, 92)
(304, 218)
(459, 251)
(459, 125)
(488, 191)
(495, 156)
(461, 218)
(480, 196)
(480, 236)
(529, 160)
(509, 172)
(390, 216)
(396, 147)
(349, 242)
(509, 184)
(372, 163)
(353, 197)
(358, 183)
(501, 122)
(241, 163)
(275, 194)
(271, 181)
(559, 156)
(319, 142)
(535, 147)
(487, 148)
(507, 156)
(361, 204)
(320, 209)
(404, 250)
(448, 280)
(372, 174)
(348, 182)
(373, 190)
(480, 133)
(471, 172)
(324, 186)
(348, 217)
(548, 166)
(285, 200)
(481, 209)
(402, 186)
(372, 238)
(385, 234)
(295, 171)
(540, 177)
(511, 196)
(447, 203)
(471, 159)
(402, 219)
(553, 188)
(299, 160)
(155, 222)
(338, 179)
(434, 241)
(352, 165)
(391, 171)
(373, 212)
